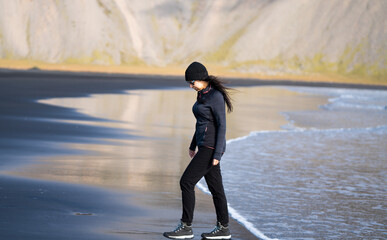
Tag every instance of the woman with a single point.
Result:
(210, 138)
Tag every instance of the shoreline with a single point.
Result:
(178, 70)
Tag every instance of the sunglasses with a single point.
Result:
(191, 82)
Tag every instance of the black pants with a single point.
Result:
(201, 165)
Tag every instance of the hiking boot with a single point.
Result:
(219, 232)
(183, 231)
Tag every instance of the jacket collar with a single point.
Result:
(206, 90)
(202, 92)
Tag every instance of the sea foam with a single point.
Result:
(301, 183)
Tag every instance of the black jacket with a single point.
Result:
(210, 114)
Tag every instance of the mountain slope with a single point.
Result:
(347, 37)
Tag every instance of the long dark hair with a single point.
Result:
(218, 84)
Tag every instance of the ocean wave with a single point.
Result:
(355, 102)
(348, 98)
(291, 129)
(280, 171)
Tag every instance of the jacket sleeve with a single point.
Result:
(193, 143)
(219, 112)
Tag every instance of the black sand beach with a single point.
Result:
(38, 209)
(47, 209)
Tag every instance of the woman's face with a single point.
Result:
(198, 85)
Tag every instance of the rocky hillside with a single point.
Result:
(348, 37)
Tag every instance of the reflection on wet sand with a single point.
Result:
(164, 121)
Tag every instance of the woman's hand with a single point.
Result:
(191, 153)
(215, 162)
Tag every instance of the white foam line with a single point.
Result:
(306, 130)
(242, 220)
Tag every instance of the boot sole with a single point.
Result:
(179, 237)
(220, 237)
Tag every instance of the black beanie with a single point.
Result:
(196, 71)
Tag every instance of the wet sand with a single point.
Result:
(36, 134)
(127, 162)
